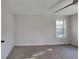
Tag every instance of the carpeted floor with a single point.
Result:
(44, 52)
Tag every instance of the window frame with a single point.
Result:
(64, 29)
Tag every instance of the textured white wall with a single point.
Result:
(7, 31)
(74, 29)
(37, 30)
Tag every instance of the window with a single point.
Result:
(60, 28)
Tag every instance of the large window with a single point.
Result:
(60, 28)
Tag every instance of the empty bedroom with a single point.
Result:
(39, 29)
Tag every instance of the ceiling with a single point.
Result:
(69, 10)
(36, 7)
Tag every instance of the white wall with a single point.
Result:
(74, 29)
(37, 30)
(7, 31)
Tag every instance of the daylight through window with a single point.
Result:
(60, 28)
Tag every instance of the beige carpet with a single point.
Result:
(44, 52)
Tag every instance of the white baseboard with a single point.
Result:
(40, 44)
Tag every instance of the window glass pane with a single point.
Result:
(60, 28)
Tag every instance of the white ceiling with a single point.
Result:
(34, 7)
(73, 9)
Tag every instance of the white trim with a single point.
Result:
(40, 44)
